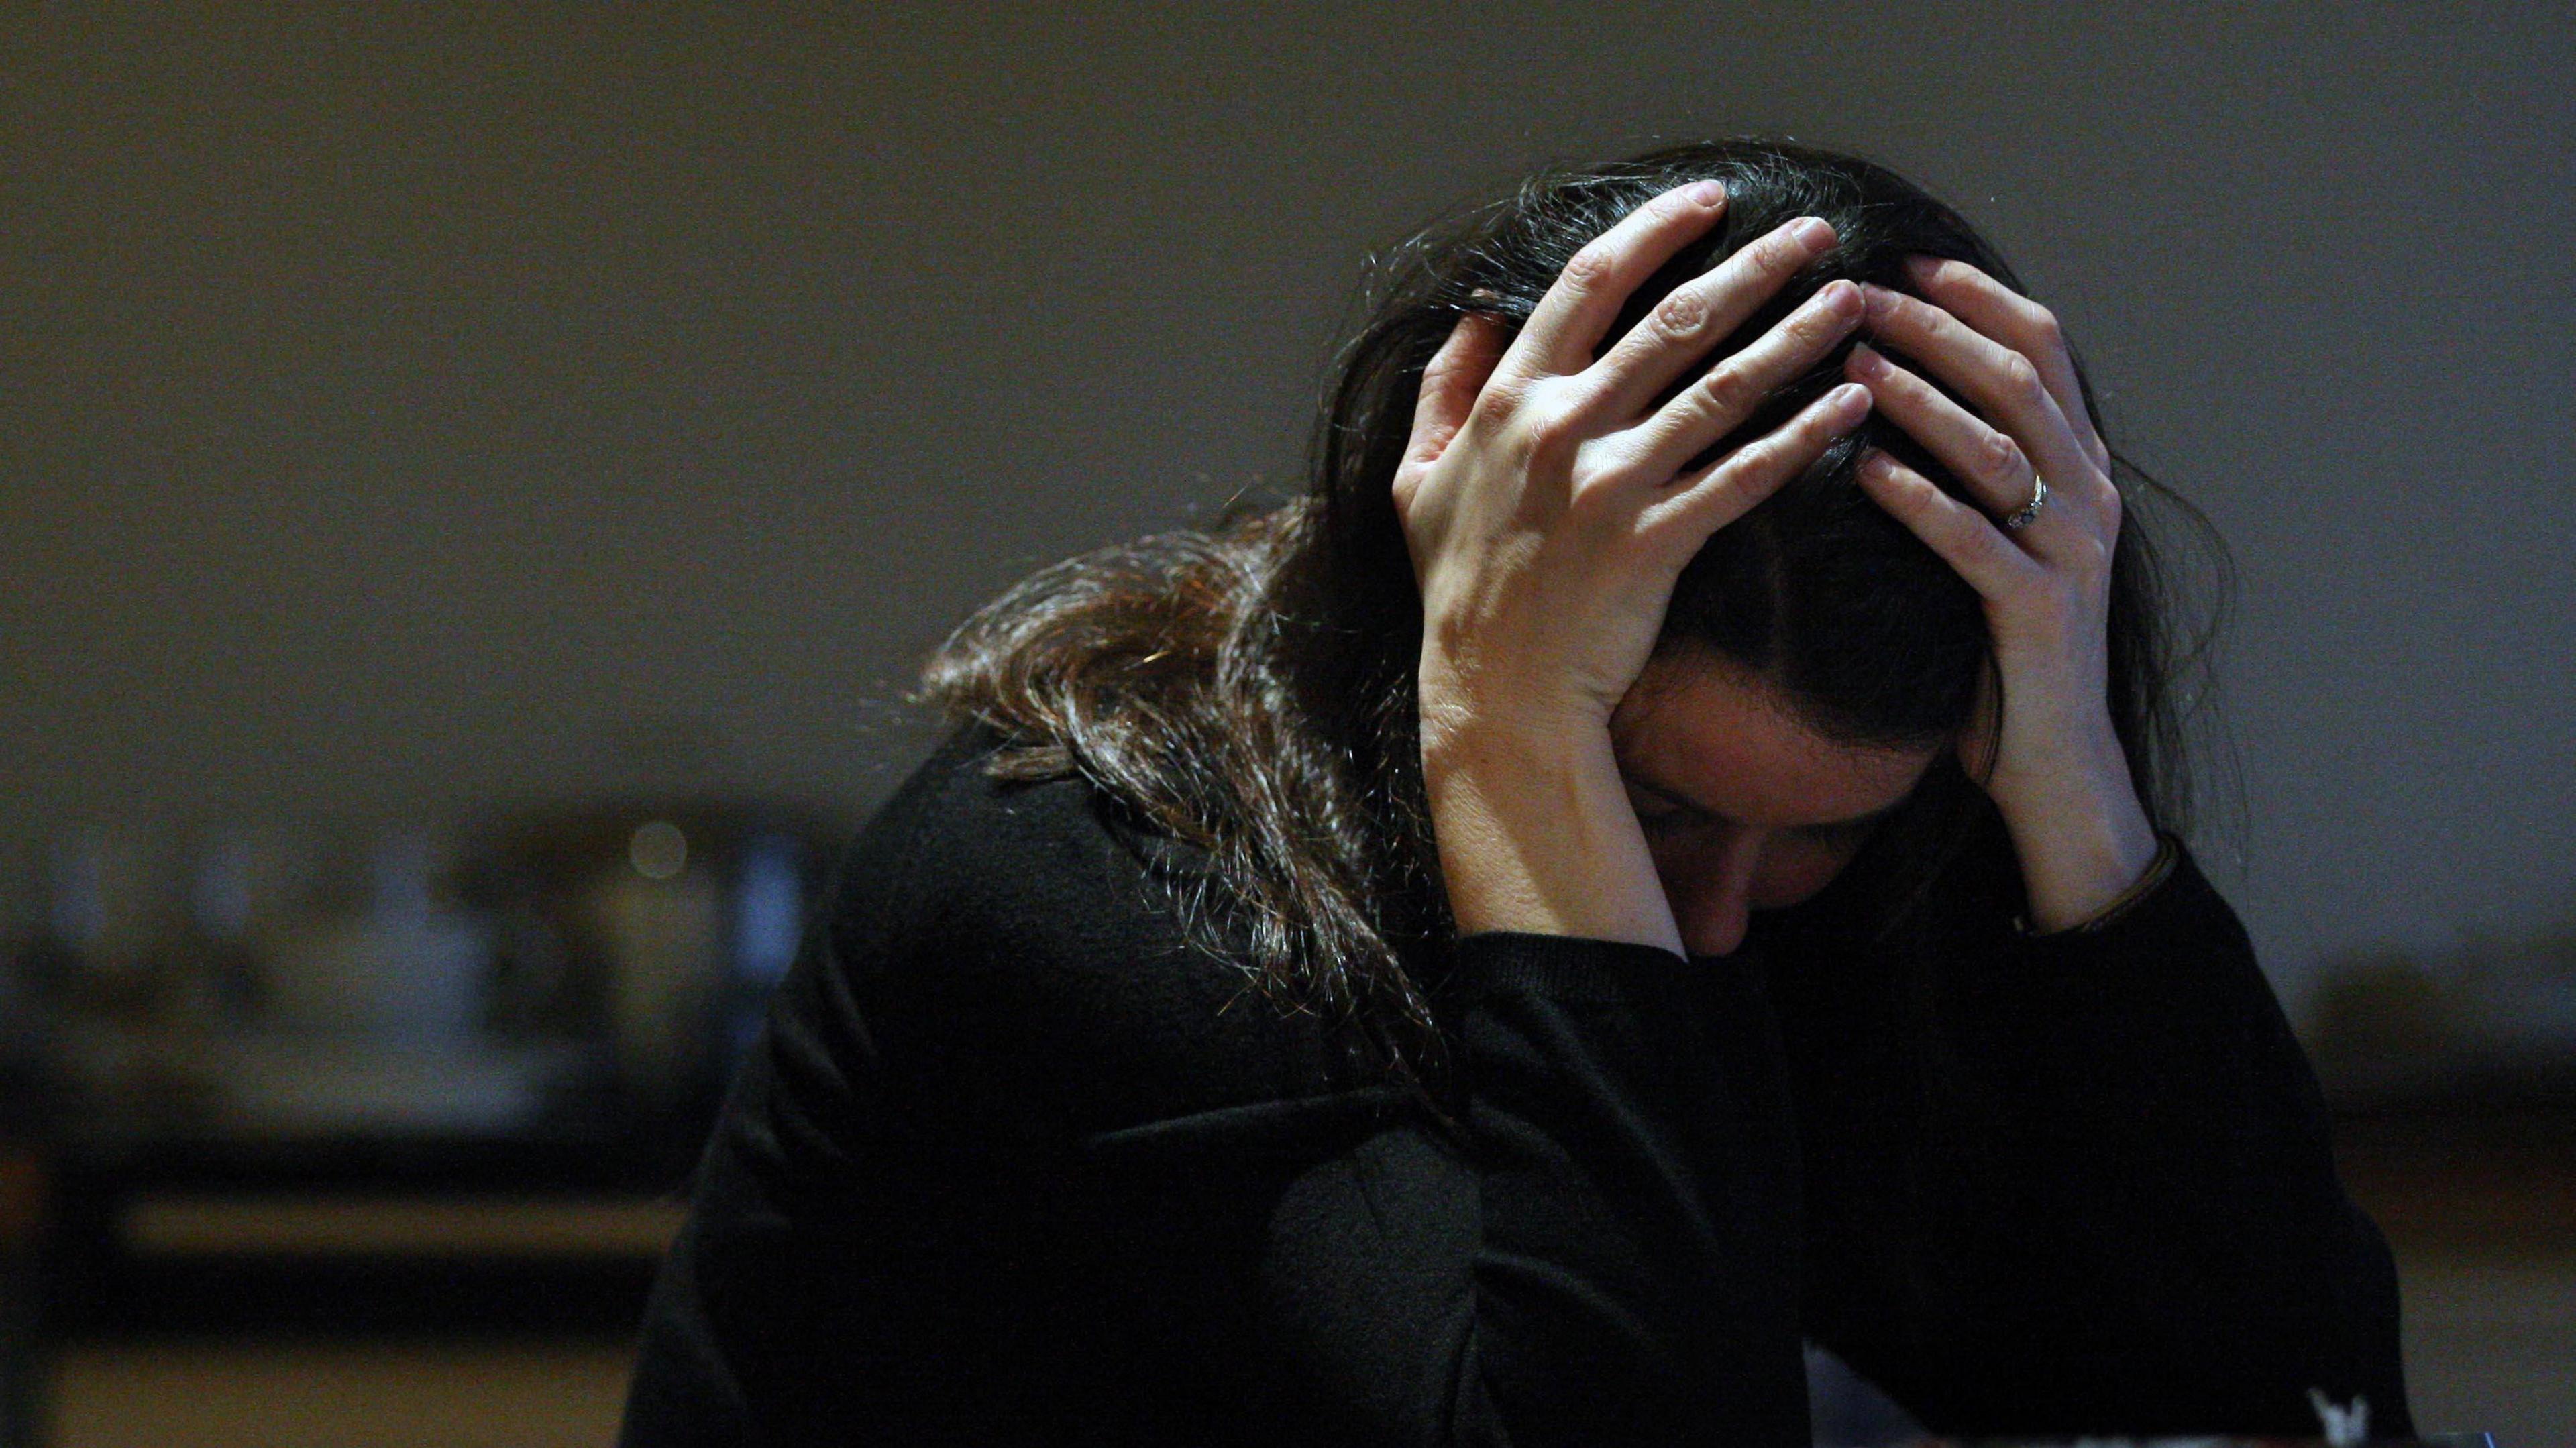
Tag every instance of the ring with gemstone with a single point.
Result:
(2038, 500)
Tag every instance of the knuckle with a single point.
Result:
(1674, 205)
(2000, 459)
(1613, 470)
(1550, 429)
(1756, 459)
(1780, 251)
(1590, 263)
(1815, 325)
(1725, 390)
(1496, 405)
(1406, 487)
(2022, 382)
(1680, 316)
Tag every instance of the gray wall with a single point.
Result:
(404, 409)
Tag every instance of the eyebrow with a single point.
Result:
(1683, 802)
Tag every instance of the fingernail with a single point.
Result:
(1921, 267)
(1709, 193)
(1840, 296)
(1813, 231)
(1851, 398)
(1876, 464)
(1866, 361)
(1877, 301)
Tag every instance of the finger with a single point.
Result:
(1989, 462)
(1991, 563)
(2003, 383)
(1580, 304)
(1727, 393)
(2019, 323)
(1700, 313)
(1450, 382)
(1729, 488)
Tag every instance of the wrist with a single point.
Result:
(2081, 855)
(2168, 855)
(1535, 833)
(1467, 718)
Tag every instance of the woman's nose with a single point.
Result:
(1720, 904)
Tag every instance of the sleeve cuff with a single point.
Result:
(1564, 967)
(2159, 869)
(2181, 920)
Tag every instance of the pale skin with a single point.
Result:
(1579, 783)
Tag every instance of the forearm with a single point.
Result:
(2078, 828)
(1535, 833)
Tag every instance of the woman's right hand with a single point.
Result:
(1544, 504)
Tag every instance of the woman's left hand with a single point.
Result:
(2056, 770)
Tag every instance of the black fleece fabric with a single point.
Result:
(1013, 1164)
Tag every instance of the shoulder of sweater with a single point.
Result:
(1014, 954)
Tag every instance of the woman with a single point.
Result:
(1667, 851)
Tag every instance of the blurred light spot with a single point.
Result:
(771, 906)
(658, 850)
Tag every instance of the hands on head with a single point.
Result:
(1548, 512)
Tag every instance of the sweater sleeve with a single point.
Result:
(2161, 1244)
(1611, 1255)
(1009, 1166)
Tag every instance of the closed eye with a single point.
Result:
(1854, 832)
(1846, 832)
(1662, 813)
(1659, 811)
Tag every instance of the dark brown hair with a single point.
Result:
(1248, 690)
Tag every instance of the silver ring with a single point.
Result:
(2038, 500)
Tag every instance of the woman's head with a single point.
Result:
(1253, 691)
(1817, 599)
(1817, 591)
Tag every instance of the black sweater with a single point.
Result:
(1012, 1163)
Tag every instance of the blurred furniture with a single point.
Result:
(22, 1220)
(457, 1093)
(2475, 1189)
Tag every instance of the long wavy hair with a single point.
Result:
(1248, 689)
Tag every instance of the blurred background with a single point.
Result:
(475, 483)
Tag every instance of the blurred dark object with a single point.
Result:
(2489, 1020)
(2464, 1176)
(359, 1236)
(654, 931)
(2453, 1078)
(286, 1079)
(24, 1211)
(25, 1197)
(584, 972)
